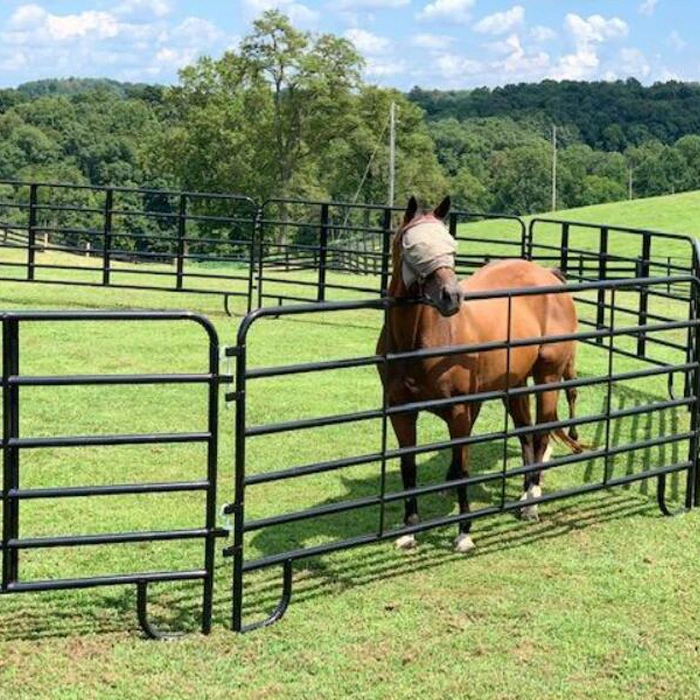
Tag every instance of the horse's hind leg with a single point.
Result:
(460, 425)
(571, 395)
(519, 409)
(404, 425)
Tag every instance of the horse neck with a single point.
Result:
(404, 321)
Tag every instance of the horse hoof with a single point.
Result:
(530, 512)
(406, 542)
(464, 543)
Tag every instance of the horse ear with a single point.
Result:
(443, 209)
(411, 210)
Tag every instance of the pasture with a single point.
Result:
(597, 600)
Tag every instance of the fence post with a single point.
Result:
(107, 237)
(602, 274)
(181, 233)
(31, 229)
(643, 293)
(10, 455)
(564, 259)
(323, 252)
(386, 240)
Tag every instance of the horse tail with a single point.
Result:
(558, 274)
(570, 439)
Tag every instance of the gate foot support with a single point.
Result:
(142, 611)
(661, 499)
(281, 609)
(226, 306)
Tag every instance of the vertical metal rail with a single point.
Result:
(644, 293)
(323, 252)
(506, 409)
(692, 495)
(384, 431)
(181, 234)
(260, 253)
(31, 230)
(602, 274)
(252, 256)
(10, 453)
(609, 385)
(386, 247)
(212, 470)
(107, 237)
(237, 508)
(564, 255)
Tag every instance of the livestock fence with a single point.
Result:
(326, 261)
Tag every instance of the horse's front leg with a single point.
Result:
(404, 425)
(460, 425)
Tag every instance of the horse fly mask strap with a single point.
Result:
(426, 246)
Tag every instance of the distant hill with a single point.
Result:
(78, 86)
(607, 115)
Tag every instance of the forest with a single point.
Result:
(288, 113)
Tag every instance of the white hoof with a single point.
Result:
(406, 542)
(464, 543)
(530, 512)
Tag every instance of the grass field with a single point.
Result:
(597, 600)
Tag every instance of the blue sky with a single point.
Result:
(432, 43)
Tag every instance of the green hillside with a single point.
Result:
(678, 213)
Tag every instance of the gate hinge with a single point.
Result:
(233, 396)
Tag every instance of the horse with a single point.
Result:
(423, 269)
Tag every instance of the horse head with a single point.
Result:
(424, 259)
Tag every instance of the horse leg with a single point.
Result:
(454, 471)
(519, 409)
(404, 425)
(546, 413)
(460, 425)
(571, 396)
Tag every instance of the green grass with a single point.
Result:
(597, 600)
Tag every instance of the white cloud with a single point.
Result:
(647, 7)
(677, 41)
(542, 34)
(431, 42)
(595, 29)
(587, 35)
(366, 42)
(634, 63)
(501, 22)
(454, 66)
(134, 40)
(450, 10)
(383, 68)
(143, 8)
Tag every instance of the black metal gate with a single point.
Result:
(611, 341)
(15, 444)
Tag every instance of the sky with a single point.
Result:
(432, 43)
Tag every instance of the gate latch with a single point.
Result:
(226, 510)
(225, 355)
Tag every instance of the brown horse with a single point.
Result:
(423, 255)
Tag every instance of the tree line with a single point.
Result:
(288, 114)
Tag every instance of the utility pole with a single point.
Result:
(392, 155)
(630, 184)
(554, 167)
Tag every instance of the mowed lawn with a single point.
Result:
(597, 600)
